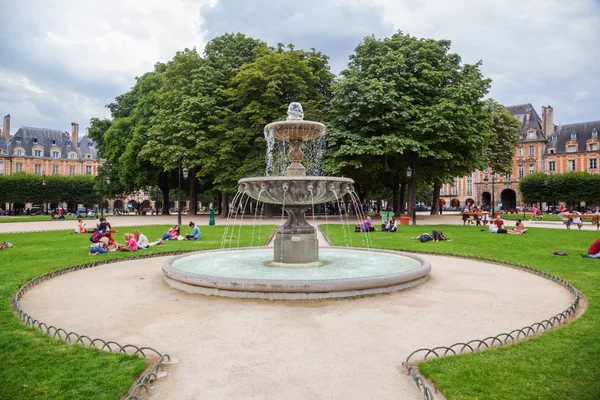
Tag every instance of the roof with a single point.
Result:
(582, 131)
(27, 137)
(520, 112)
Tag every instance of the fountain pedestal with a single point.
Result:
(296, 240)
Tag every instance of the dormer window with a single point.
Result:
(19, 152)
(89, 156)
(54, 143)
(18, 139)
(595, 133)
(573, 135)
(55, 154)
(531, 134)
(72, 157)
(37, 153)
(34, 140)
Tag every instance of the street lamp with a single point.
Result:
(413, 197)
(485, 178)
(44, 185)
(185, 175)
(102, 197)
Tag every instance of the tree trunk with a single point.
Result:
(402, 198)
(396, 199)
(435, 204)
(410, 202)
(163, 184)
(224, 204)
(193, 196)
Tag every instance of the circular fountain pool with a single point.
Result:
(251, 273)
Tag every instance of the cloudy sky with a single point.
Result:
(62, 61)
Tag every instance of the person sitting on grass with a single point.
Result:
(172, 234)
(195, 235)
(367, 225)
(80, 228)
(130, 243)
(391, 225)
(142, 240)
(99, 247)
(519, 228)
(594, 251)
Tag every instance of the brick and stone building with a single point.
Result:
(544, 147)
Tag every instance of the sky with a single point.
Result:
(63, 61)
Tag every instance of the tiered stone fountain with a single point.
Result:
(295, 241)
(294, 269)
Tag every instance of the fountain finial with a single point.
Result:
(295, 112)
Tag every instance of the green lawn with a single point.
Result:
(35, 366)
(32, 218)
(562, 364)
(514, 217)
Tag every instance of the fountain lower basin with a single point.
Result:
(251, 273)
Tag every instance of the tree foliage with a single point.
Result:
(571, 187)
(406, 101)
(28, 188)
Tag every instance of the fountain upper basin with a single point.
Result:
(296, 190)
(295, 130)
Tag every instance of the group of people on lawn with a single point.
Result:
(104, 242)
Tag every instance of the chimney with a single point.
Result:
(548, 121)
(6, 127)
(75, 134)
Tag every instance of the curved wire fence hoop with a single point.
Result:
(142, 385)
(499, 340)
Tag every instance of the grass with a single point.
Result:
(35, 366)
(34, 218)
(561, 364)
(514, 217)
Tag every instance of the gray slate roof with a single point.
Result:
(27, 137)
(520, 112)
(583, 131)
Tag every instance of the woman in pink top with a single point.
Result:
(130, 243)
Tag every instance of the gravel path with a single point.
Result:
(327, 349)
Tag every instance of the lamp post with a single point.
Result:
(102, 197)
(44, 185)
(412, 175)
(185, 175)
(493, 188)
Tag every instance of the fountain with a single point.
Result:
(294, 269)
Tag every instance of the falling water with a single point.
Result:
(237, 210)
(227, 224)
(361, 217)
(241, 222)
(341, 218)
(270, 138)
(255, 214)
(312, 202)
(285, 189)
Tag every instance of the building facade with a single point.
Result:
(46, 152)
(543, 147)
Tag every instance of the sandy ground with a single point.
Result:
(326, 349)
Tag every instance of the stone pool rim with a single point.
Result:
(275, 289)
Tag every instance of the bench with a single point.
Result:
(594, 218)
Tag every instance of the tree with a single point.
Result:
(121, 140)
(403, 102)
(506, 131)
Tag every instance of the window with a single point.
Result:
(508, 177)
(88, 169)
(521, 171)
(595, 133)
(2, 168)
(72, 156)
(19, 167)
(469, 187)
(531, 134)
(593, 163)
(89, 156)
(593, 147)
(531, 150)
(34, 140)
(442, 190)
(55, 154)
(573, 135)
(38, 169)
(521, 151)
(71, 171)
(571, 165)
(571, 149)
(552, 166)
(551, 151)
(55, 170)
(531, 168)
(19, 152)
(37, 153)
(54, 143)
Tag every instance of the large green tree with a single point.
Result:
(403, 102)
